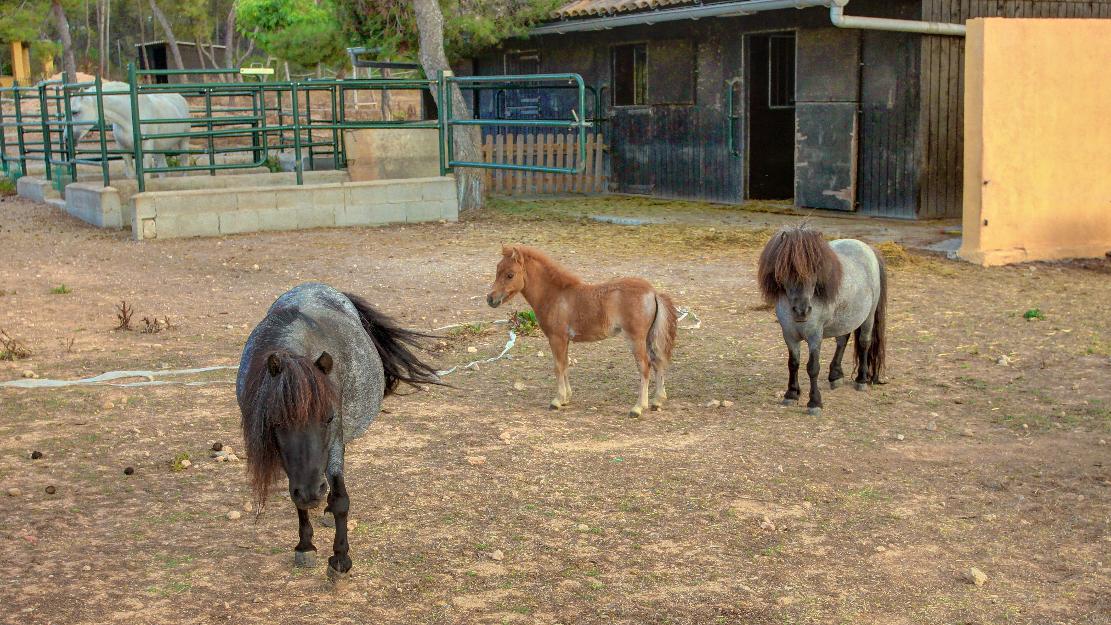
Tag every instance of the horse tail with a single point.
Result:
(661, 336)
(280, 388)
(877, 352)
(399, 363)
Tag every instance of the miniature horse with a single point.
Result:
(318, 354)
(570, 310)
(822, 290)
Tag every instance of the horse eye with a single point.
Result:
(509, 276)
(332, 418)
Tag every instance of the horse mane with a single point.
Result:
(283, 389)
(557, 275)
(798, 254)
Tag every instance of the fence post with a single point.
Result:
(136, 122)
(211, 141)
(67, 130)
(19, 128)
(296, 134)
(101, 130)
(440, 110)
(44, 115)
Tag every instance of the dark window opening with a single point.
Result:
(630, 76)
(781, 71)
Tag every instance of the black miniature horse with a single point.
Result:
(318, 354)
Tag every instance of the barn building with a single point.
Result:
(822, 101)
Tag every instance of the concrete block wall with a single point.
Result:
(95, 204)
(216, 212)
(114, 209)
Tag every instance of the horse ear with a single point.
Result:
(274, 364)
(324, 363)
(507, 250)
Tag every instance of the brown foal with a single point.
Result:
(569, 309)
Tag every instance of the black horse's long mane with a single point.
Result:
(393, 343)
(284, 389)
(794, 255)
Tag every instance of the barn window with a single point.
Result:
(781, 71)
(630, 75)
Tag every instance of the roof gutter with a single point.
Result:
(839, 19)
(735, 9)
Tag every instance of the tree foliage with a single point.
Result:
(302, 32)
(469, 25)
(26, 20)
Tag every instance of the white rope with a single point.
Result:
(687, 312)
(474, 363)
(105, 379)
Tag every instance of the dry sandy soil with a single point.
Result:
(987, 449)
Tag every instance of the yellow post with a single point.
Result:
(21, 62)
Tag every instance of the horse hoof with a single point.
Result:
(335, 576)
(304, 559)
(814, 412)
(328, 520)
(860, 386)
(636, 412)
(657, 406)
(554, 406)
(836, 383)
(790, 402)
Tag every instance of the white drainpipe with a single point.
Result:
(840, 20)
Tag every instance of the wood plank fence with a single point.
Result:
(545, 150)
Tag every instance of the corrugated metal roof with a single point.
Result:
(591, 8)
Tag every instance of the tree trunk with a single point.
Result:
(102, 32)
(229, 41)
(430, 27)
(142, 35)
(170, 38)
(62, 24)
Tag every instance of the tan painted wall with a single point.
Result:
(1037, 168)
(392, 153)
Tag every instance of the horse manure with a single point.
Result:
(217, 446)
(129, 471)
(50, 490)
(35, 455)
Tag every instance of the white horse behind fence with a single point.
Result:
(117, 113)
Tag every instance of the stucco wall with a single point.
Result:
(1037, 140)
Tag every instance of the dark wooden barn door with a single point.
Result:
(826, 124)
(770, 72)
(521, 103)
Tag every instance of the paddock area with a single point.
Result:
(987, 449)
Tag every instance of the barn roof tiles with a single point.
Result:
(589, 8)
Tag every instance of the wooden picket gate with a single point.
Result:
(545, 150)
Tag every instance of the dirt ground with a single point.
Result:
(987, 449)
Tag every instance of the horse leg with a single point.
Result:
(863, 344)
(303, 552)
(640, 352)
(563, 387)
(836, 374)
(659, 376)
(128, 166)
(791, 397)
(813, 368)
(338, 502)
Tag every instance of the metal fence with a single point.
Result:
(251, 118)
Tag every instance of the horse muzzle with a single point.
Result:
(494, 300)
(306, 498)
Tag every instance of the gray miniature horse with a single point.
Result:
(822, 290)
(318, 354)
